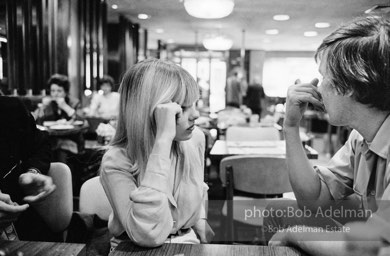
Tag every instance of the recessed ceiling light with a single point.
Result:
(114, 6)
(322, 25)
(159, 30)
(272, 31)
(143, 16)
(281, 17)
(310, 33)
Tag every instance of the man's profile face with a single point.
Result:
(336, 104)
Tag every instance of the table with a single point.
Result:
(41, 248)
(127, 248)
(223, 148)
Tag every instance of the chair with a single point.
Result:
(93, 199)
(237, 133)
(57, 208)
(253, 177)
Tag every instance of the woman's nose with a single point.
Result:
(194, 114)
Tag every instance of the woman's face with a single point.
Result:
(185, 124)
(106, 88)
(57, 91)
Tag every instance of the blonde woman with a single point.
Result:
(153, 173)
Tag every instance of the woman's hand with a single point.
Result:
(204, 231)
(298, 96)
(9, 211)
(61, 103)
(165, 116)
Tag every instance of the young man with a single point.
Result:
(355, 92)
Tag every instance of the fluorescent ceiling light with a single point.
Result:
(114, 6)
(281, 17)
(2, 39)
(143, 16)
(217, 43)
(209, 9)
(159, 30)
(310, 33)
(322, 25)
(272, 31)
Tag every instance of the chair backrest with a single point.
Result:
(93, 199)
(237, 133)
(257, 174)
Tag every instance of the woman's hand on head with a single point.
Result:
(165, 116)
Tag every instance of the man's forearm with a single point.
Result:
(304, 181)
(319, 243)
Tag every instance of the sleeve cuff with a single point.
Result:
(337, 189)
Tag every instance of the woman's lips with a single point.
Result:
(191, 128)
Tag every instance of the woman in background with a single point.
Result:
(60, 105)
(153, 173)
(105, 105)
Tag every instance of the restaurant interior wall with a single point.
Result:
(123, 41)
(54, 36)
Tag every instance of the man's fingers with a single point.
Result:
(315, 82)
(13, 208)
(5, 198)
(40, 196)
(298, 81)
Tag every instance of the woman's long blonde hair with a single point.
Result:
(144, 86)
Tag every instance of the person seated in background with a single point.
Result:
(153, 172)
(355, 91)
(59, 105)
(105, 105)
(24, 185)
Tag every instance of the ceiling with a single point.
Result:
(253, 16)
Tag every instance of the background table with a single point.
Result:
(127, 248)
(41, 248)
(221, 149)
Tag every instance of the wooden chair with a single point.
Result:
(93, 199)
(238, 133)
(251, 182)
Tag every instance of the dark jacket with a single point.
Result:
(22, 145)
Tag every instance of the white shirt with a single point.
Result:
(105, 106)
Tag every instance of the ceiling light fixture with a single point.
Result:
(143, 16)
(322, 25)
(217, 43)
(159, 30)
(272, 31)
(209, 9)
(281, 17)
(310, 33)
(114, 6)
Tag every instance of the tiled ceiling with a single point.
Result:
(253, 16)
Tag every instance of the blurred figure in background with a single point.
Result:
(59, 105)
(105, 105)
(235, 89)
(255, 97)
